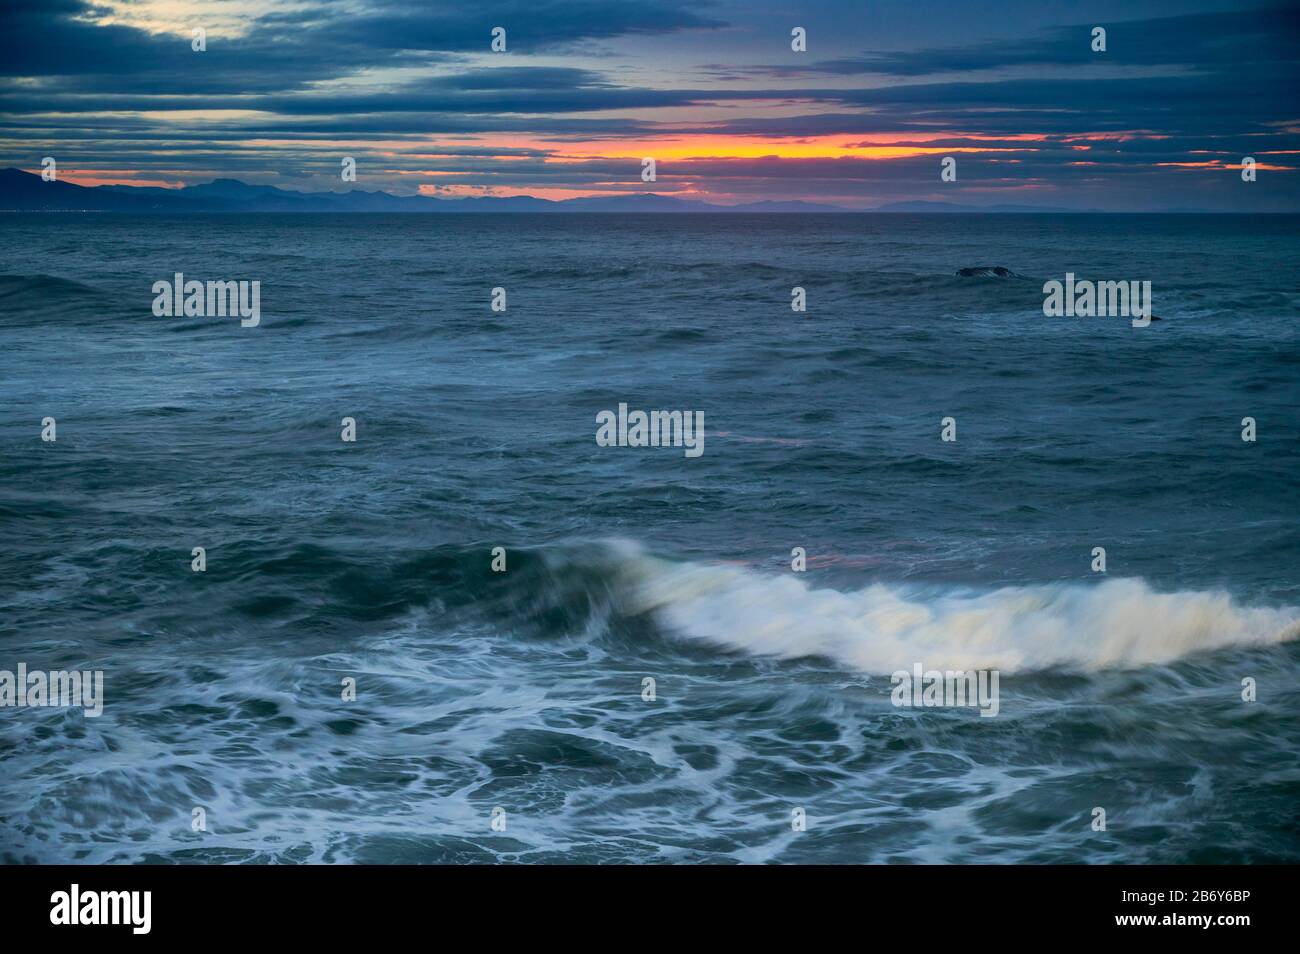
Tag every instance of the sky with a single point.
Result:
(713, 91)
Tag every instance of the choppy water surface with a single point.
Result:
(523, 690)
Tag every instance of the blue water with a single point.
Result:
(523, 690)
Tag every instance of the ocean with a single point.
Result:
(640, 674)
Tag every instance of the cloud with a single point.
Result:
(414, 89)
(1218, 42)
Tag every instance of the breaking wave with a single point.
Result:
(880, 628)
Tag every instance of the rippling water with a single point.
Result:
(522, 690)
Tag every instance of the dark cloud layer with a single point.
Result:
(1157, 120)
(1211, 42)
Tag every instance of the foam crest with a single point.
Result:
(1118, 623)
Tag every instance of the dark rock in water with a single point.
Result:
(985, 271)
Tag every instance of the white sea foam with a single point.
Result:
(1117, 623)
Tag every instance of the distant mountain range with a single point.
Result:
(23, 191)
(26, 192)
